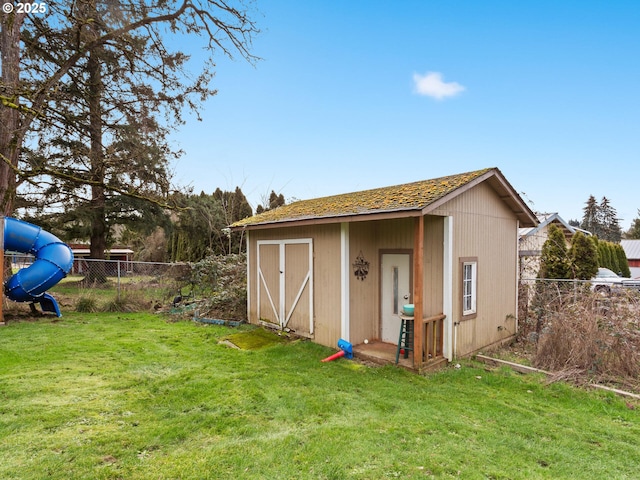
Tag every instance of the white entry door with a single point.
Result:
(395, 291)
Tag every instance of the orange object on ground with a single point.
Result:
(334, 356)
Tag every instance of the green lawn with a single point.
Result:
(132, 396)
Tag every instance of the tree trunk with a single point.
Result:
(98, 224)
(10, 135)
(98, 240)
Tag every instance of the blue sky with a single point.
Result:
(351, 95)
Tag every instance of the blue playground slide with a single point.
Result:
(53, 260)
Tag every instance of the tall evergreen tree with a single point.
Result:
(99, 93)
(234, 207)
(601, 219)
(604, 255)
(613, 257)
(609, 221)
(12, 130)
(274, 201)
(554, 261)
(634, 232)
(584, 257)
(590, 218)
(554, 265)
(193, 231)
(200, 226)
(623, 262)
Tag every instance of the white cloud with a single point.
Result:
(432, 85)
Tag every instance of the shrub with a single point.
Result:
(86, 304)
(584, 256)
(597, 336)
(554, 260)
(220, 283)
(623, 262)
(128, 302)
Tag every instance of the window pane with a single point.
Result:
(395, 290)
(468, 288)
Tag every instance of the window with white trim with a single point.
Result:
(469, 286)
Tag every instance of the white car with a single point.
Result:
(606, 280)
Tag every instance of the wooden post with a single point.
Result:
(418, 282)
(2, 269)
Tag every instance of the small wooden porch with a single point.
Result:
(430, 345)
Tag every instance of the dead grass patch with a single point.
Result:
(581, 337)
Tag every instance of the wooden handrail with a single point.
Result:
(432, 337)
(434, 318)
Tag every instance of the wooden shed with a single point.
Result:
(343, 266)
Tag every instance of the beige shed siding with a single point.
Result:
(327, 287)
(363, 301)
(484, 228)
(373, 239)
(326, 258)
(433, 264)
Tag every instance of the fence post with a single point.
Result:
(118, 280)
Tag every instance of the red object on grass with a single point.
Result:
(334, 356)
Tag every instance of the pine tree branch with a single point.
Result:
(10, 103)
(43, 170)
(41, 97)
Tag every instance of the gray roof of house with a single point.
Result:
(547, 218)
(631, 249)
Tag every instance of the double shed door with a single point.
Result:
(285, 284)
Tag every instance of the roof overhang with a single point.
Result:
(494, 178)
(115, 251)
(503, 189)
(360, 217)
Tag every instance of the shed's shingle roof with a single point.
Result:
(409, 196)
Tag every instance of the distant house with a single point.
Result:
(343, 266)
(115, 255)
(531, 240)
(81, 261)
(632, 251)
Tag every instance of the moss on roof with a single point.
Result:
(409, 196)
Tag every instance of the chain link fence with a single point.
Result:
(144, 285)
(539, 298)
(160, 282)
(213, 287)
(583, 327)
